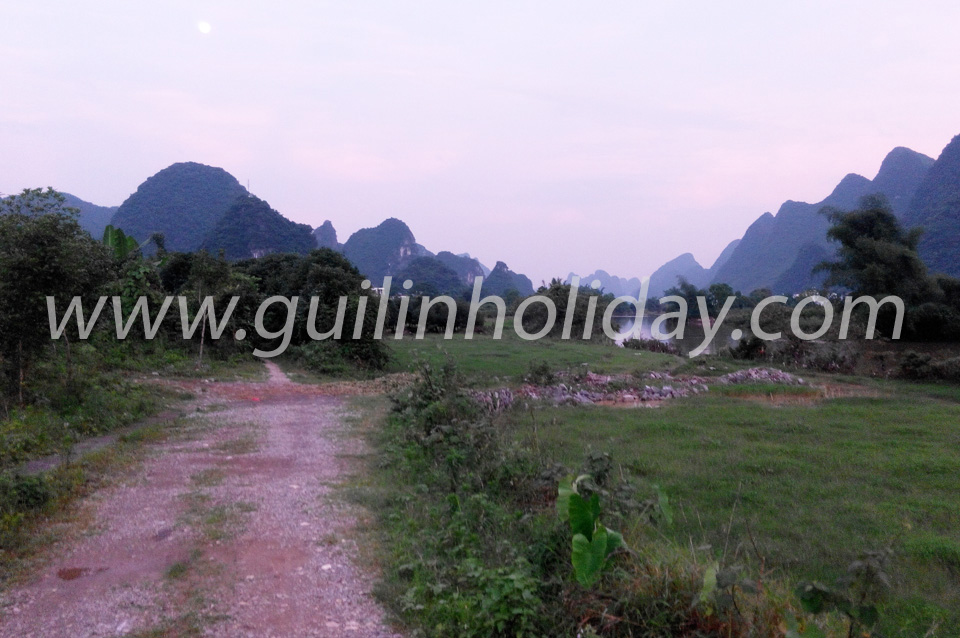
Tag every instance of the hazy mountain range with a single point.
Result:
(666, 276)
(196, 206)
(779, 251)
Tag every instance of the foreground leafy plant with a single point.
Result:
(593, 543)
(856, 595)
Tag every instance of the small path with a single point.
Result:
(234, 532)
(91, 444)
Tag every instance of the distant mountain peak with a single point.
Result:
(250, 228)
(383, 249)
(936, 207)
(184, 201)
(326, 236)
(901, 173)
(502, 280)
(778, 251)
(852, 185)
(903, 158)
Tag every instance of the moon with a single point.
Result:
(204, 27)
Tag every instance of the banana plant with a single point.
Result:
(121, 244)
(593, 543)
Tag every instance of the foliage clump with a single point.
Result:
(480, 541)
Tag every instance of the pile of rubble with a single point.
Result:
(592, 388)
(493, 401)
(760, 375)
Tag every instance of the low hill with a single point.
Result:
(467, 268)
(430, 276)
(93, 219)
(183, 201)
(611, 284)
(502, 280)
(250, 228)
(382, 250)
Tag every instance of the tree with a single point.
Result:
(535, 317)
(877, 257)
(328, 276)
(43, 252)
(209, 277)
(688, 292)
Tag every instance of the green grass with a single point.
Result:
(813, 484)
(25, 537)
(764, 389)
(817, 484)
(181, 568)
(485, 361)
(244, 444)
(210, 477)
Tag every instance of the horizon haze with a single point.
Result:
(616, 137)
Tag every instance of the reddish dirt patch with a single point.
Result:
(72, 573)
(818, 394)
(265, 549)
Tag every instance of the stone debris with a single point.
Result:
(591, 388)
(760, 375)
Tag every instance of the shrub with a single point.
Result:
(923, 367)
(934, 322)
(539, 373)
(948, 370)
(321, 357)
(916, 365)
(20, 495)
(824, 356)
(652, 345)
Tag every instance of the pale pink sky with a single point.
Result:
(555, 136)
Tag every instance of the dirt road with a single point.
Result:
(234, 530)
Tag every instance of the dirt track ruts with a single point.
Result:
(233, 531)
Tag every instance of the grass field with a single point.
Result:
(485, 361)
(815, 482)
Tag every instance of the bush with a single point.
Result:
(915, 365)
(923, 367)
(539, 373)
(652, 345)
(321, 357)
(823, 356)
(934, 322)
(437, 316)
(20, 495)
(948, 370)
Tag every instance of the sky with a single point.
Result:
(555, 136)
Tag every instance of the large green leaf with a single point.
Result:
(663, 504)
(588, 556)
(566, 488)
(584, 515)
(614, 541)
(709, 582)
(564, 491)
(130, 245)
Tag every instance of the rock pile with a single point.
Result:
(760, 375)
